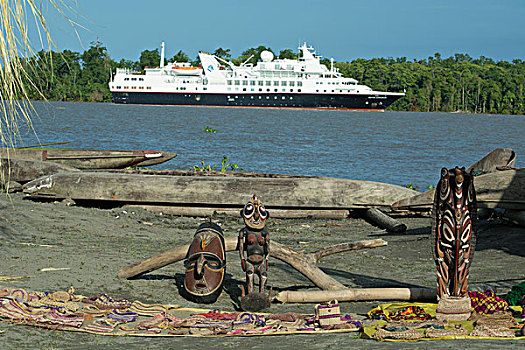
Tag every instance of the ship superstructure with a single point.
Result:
(277, 83)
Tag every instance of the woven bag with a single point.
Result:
(328, 313)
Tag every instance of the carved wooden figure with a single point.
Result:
(453, 231)
(254, 240)
(205, 264)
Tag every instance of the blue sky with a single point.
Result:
(342, 29)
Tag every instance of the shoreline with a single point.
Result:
(86, 247)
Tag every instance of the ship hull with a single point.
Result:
(371, 102)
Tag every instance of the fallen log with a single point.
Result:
(384, 221)
(210, 211)
(360, 294)
(302, 262)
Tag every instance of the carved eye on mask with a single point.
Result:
(248, 211)
(262, 212)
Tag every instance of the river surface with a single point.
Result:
(393, 147)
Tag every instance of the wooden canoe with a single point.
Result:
(214, 190)
(498, 158)
(89, 159)
(501, 189)
(21, 170)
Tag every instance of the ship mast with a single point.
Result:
(162, 55)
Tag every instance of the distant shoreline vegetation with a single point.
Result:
(436, 84)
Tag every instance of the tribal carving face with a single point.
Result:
(254, 214)
(205, 264)
(453, 230)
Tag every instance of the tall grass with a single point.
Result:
(19, 18)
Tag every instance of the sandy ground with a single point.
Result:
(88, 246)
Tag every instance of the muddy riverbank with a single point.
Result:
(55, 246)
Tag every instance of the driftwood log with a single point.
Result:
(384, 221)
(234, 212)
(305, 263)
(353, 294)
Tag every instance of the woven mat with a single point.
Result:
(104, 315)
(431, 329)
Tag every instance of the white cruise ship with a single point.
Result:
(272, 83)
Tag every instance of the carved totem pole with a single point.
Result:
(254, 239)
(205, 264)
(453, 231)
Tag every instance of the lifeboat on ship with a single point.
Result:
(185, 69)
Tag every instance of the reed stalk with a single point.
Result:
(19, 18)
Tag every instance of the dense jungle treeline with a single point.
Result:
(456, 83)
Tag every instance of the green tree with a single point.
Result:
(180, 57)
(149, 58)
(287, 54)
(223, 53)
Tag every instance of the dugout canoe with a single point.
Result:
(500, 189)
(214, 190)
(499, 158)
(21, 170)
(89, 159)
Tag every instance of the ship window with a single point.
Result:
(229, 82)
(267, 90)
(245, 82)
(275, 97)
(260, 83)
(291, 90)
(148, 88)
(252, 82)
(284, 98)
(260, 97)
(119, 87)
(229, 89)
(292, 83)
(237, 82)
(252, 89)
(126, 79)
(268, 83)
(251, 97)
(133, 79)
(291, 97)
(267, 97)
(284, 90)
(299, 83)
(260, 89)
(126, 87)
(283, 83)
(275, 83)
(243, 89)
(141, 79)
(316, 90)
(275, 90)
(205, 88)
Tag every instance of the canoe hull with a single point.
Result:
(500, 189)
(280, 192)
(90, 159)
